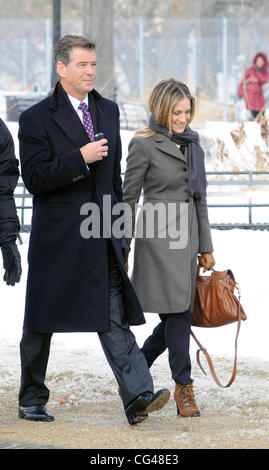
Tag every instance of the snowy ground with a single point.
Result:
(237, 417)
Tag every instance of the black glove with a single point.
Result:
(12, 263)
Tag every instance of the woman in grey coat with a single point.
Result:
(166, 161)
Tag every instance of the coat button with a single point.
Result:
(187, 200)
(184, 169)
(186, 180)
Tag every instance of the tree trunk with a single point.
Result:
(98, 26)
(56, 36)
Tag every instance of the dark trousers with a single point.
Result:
(122, 352)
(254, 114)
(173, 332)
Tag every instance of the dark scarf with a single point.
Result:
(189, 138)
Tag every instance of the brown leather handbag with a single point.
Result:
(216, 305)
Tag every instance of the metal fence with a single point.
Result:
(24, 206)
(250, 179)
(133, 116)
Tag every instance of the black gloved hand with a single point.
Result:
(12, 263)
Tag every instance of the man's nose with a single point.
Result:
(91, 70)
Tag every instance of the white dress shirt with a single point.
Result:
(75, 103)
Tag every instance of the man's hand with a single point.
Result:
(12, 263)
(94, 151)
(207, 261)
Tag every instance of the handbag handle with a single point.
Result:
(208, 358)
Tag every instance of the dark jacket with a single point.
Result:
(9, 174)
(67, 287)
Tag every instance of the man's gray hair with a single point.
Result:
(66, 44)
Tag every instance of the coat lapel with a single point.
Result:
(102, 121)
(103, 125)
(64, 115)
(166, 145)
(68, 120)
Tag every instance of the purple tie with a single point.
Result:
(87, 121)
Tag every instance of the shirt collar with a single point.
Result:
(75, 102)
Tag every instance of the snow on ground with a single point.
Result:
(240, 155)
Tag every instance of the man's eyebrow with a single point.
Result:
(87, 62)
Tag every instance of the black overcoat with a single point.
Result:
(67, 286)
(9, 174)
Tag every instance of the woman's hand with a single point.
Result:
(206, 261)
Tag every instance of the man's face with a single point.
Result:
(79, 76)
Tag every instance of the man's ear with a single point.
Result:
(61, 69)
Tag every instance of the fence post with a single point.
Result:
(250, 198)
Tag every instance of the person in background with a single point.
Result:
(167, 162)
(9, 222)
(250, 87)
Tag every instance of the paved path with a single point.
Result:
(5, 444)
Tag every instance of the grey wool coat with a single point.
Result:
(166, 243)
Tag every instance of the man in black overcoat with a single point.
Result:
(77, 283)
(9, 222)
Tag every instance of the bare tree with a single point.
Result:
(99, 26)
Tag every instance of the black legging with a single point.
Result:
(172, 332)
(254, 114)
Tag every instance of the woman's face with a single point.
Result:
(259, 62)
(181, 114)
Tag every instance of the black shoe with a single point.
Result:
(35, 413)
(145, 403)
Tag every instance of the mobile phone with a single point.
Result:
(99, 136)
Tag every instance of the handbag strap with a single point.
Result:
(208, 358)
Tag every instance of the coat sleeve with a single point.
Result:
(205, 239)
(137, 165)
(41, 170)
(117, 180)
(262, 77)
(242, 85)
(9, 174)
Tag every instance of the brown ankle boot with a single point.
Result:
(185, 401)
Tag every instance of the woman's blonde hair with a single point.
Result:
(163, 98)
